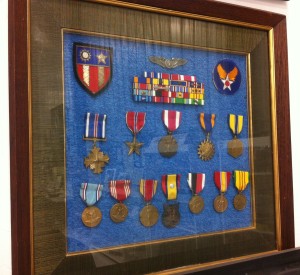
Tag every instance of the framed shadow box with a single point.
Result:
(147, 136)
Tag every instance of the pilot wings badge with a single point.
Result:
(92, 66)
(226, 77)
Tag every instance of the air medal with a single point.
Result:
(206, 148)
(168, 146)
(241, 180)
(170, 186)
(95, 131)
(196, 183)
(222, 180)
(120, 190)
(135, 122)
(235, 146)
(90, 194)
(149, 214)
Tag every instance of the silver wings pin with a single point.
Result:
(167, 63)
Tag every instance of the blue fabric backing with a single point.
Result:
(131, 59)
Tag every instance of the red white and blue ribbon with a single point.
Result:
(171, 119)
(196, 182)
(95, 126)
(90, 193)
(119, 189)
(135, 121)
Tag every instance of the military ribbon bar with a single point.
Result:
(171, 119)
(135, 121)
(119, 189)
(148, 189)
(207, 121)
(95, 126)
(236, 123)
(90, 193)
(241, 179)
(196, 182)
(222, 180)
(170, 185)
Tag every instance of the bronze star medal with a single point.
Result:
(134, 147)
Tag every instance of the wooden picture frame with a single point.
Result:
(21, 131)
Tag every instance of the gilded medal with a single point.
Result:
(91, 216)
(235, 147)
(149, 215)
(118, 213)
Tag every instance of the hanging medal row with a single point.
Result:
(120, 190)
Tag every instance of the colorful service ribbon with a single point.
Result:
(90, 193)
(148, 189)
(236, 123)
(241, 179)
(196, 182)
(135, 121)
(207, 121)
(171, 119)
(119, 189)
(170, 185)
(222, 180)
(95, 126)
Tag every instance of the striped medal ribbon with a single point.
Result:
(222, 180)
(235, 146)
(241, 180)
(196, 182)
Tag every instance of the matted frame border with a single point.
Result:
(20, 132)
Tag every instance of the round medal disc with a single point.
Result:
(171, 215)
(206, 150)
(118, 212)
(220, 203)
(149, 215)
(167, 146)
(91, 216)
(239, 202)
(235, 148)
(196, 204)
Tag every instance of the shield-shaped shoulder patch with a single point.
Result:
(93, 66)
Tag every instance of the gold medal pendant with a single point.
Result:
(196, 204)
(220, 203)
(149, 215)
(206, 149)
(239, 202)
(119, 212)
(91, 216)
(168, 146)
(96, 160)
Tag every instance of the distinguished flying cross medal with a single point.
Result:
(196, 182)
(95, 131)
(120, 190)
(241, 180)
(206, 148)
(227, 77)
(149, 214)
(222, 180)
(90, 194)
(167, 145)
(235, 146)
(93, 66)
(170, 186)
(135, 122)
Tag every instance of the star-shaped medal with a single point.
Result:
(101, 58)
(134, 147)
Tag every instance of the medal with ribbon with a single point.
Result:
(235, 146)
(91, 194)
(222, 180)
(95, 131)
(149, 214)
(206, 148)
(196, 182)
(120, 190)
(168, 146)
(170, 186)
(135, 122)
(241, 180)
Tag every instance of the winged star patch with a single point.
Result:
(92, 66)
(226, 77)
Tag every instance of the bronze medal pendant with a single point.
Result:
(220, 203)
(149, 215)
(235, 146)
(171, 215)
(239, 202)
(206, 150)
(91, 216)
(196, 204)
(168, 146)
(118, 213)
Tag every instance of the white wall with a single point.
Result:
(291, 9)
